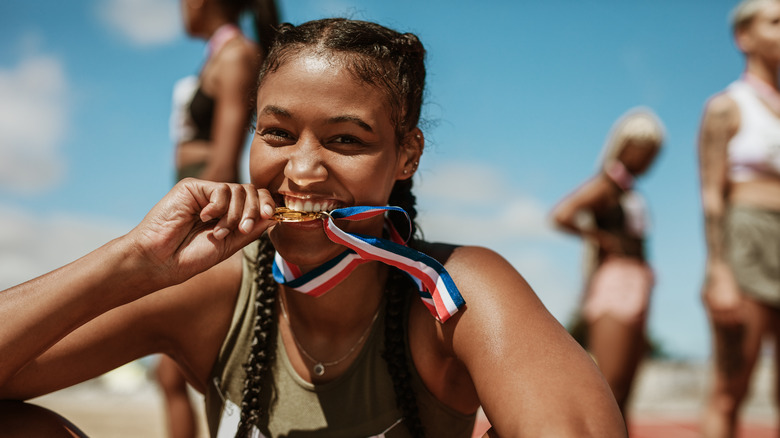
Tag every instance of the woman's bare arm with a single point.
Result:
(593, 195)
(235, 74)
(196, 226)
(531, 377)
(719, 124)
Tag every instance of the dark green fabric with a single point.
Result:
(360, 403)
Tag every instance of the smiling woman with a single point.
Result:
(315, 328)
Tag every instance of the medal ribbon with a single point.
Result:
(436, 288)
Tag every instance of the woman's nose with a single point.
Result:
(305, 165)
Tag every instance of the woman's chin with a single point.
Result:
(304, 245)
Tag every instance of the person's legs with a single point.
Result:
(23, 420)
(180, 413)
(736, 349)
(775, 329)
(618, 347)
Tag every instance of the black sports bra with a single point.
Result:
(202, 114)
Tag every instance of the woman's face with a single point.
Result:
(762, 36)
(323, 140)
(638, 155)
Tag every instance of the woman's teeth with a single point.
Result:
(308, 205)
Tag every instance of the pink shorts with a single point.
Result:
(620, 287)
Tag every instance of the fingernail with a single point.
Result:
(221, 233)
(205, 217)
(247, 225)
(268, 210)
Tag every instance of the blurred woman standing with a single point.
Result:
(611, 217)
(739, 158)
(211, 112)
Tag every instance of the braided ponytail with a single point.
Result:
(263, 340)
(395, 351)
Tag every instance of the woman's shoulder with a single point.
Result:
(454, 256)
(722, 103)
(476, 268)
(721, 112)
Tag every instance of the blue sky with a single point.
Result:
(520, 98)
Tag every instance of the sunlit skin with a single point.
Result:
(321, 136)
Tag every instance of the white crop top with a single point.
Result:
(754, 151)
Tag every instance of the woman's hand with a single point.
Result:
(721, 295)
(199, 224)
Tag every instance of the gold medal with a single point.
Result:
(284, 214)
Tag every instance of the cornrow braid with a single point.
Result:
(263, 339)
(399, 286)
(402, 196)
(395, 351)
(374, 54)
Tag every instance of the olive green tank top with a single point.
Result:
(360, 403)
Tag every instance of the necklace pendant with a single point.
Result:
(319, 369)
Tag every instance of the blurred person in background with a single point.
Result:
(210, 115)
(611, 217)
(209, 126)
(739, 159)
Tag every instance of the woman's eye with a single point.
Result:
(346, 139)
(275, 135)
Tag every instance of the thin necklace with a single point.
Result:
(319, 366)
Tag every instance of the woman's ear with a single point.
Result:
(409, 154)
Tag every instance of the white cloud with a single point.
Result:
(471, 203)
(33, 120)
(31, 245)
(475, 203)
(143, 22)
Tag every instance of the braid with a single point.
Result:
(402, 196)
(263, 340)
(395, 351)
(395, 336)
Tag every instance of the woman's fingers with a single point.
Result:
(237, 207)
(258, 205)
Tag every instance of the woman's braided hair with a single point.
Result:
(263, 339)
(395, 63)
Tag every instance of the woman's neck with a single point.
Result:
(210, 24)
(763, 71)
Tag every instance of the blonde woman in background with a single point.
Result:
(739, 153)
(610, 216)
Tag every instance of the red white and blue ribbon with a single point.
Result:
(436, 288)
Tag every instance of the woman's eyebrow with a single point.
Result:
(351, 119)
(275, 111)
